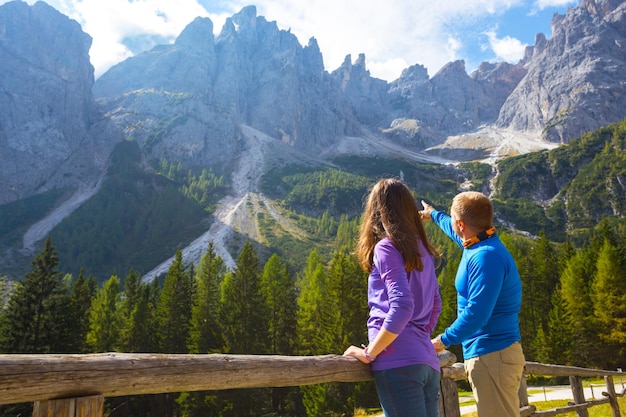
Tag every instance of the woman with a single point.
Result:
(404, 302)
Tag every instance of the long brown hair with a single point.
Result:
(391, 211)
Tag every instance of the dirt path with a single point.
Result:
(239, 211)
(236, 212)
(42, 228)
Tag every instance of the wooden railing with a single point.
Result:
(76, 385)
(580, 405)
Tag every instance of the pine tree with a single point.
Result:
(244, 320)
(346, 302)
(540, 346)
(140, 332)
(61, 328)
(576, 282)
(346, 307)
(174, 308)
(83, 293)
(132, 284)
(565, 252)
(609, 302)
(5, 293)
(279, 292)
(539, 270)
(520, 249)
(313, 293)
(451, 257)
(34, 306)
(173, 316)
(559, 339)
(206, 332)
(132, 292)
(143, 325)
(244, 313)
(545, 268)
(105, 318)
(347, 231)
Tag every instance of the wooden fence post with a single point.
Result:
(449, 398)
(92, 406)
(576, 383)
(523, 392)
(610, 388)
(448, 390)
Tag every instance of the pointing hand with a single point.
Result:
(425, 214)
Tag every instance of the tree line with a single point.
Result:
(573, 313)
(574, 298)
(253, 309)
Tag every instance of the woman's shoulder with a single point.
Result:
(384, 243)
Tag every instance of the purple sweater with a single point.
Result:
(407, 304)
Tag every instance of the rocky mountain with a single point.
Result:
(574, 80)
(262, 77)
(186, 99)
(252, 99)
(51, 134)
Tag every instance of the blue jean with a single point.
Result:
(408, 391)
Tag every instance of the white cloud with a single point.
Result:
(393, 34)
(113, 22)
(507, 48)
(545, 4)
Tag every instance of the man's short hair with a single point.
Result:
(474, 208)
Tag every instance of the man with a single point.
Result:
(488, 304)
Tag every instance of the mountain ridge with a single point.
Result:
(211, 101)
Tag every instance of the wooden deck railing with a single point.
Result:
(579, 404)
(76, 385)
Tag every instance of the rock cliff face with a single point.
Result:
(47, 112)
(575, 81)
(188, 101)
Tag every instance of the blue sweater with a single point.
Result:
(489, 296)
(407, 304)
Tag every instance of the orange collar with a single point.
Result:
(479, 237)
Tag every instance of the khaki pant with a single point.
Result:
(495, 380)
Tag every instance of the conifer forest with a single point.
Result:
(573, 272)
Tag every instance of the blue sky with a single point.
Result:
(393, 34)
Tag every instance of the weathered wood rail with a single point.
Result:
(76, 385)
(579, 403)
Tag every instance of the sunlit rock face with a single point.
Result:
(47, 113)
(575, 80)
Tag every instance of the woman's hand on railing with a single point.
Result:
(358, 353)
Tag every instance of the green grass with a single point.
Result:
(603, 410)
(465, 398)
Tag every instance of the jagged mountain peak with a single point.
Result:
(246, 18)
(199, 34)
(415, 73)
(575, 80)
(601, 8)
(455, 68)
